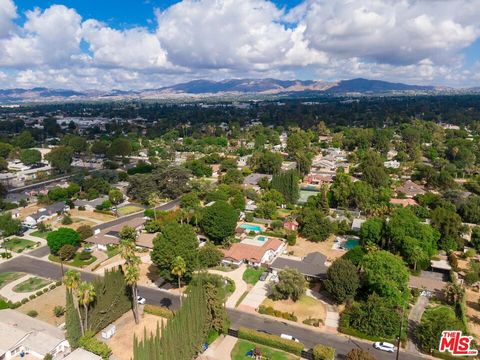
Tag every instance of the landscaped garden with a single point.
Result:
(79, 260)
(243, 347)
(8, 277)
(40, 234)
(31, 284)
(304, 309)
(17, 244)
(251, 275)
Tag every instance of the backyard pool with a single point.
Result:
(250, 227)
(262, 238)
(351, 243)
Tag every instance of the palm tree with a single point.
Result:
(132, 265)
(71, 279)
(86, 295)
(178, 268)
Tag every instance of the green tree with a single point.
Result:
(372, 232)
(128, 237)
(287, 184)
(71, 280)
(8, 225)
(85, 231)
(178, 268)
(475, 238)
(209, 255)
(115, 196)
(60, 158)
(24, 140)
(67, 252)
(175, 240)
(30, 156)
(291, 285)
(219, 220)
(341, 189)
(373, 171)
(86, 295)
(56, 239)
(313, 225)
(342, 280)
(449, 224)
(72, 321)
(120, 147)
(359, 354)
(232, 176)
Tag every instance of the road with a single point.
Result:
(310, 338)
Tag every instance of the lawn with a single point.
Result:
(129, 209)
(17, 244)
(251, 275)
(112, 251)
(242, 347)
(31, 284)
(40, 234)
(75, 262)
(306, 307)
(8, 277)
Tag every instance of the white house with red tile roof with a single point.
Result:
(240, 253)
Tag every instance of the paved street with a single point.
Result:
(238, 318)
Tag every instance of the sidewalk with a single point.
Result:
(240, 285)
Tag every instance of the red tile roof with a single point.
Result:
(239, 251)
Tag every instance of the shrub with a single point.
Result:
(159, 311)
(291, 238)
(32, 313)
(452, 259)
(44, 290)
(67, 220)
(16, 305)
(84, 256)
(24, 301)
(33, 296)
(271, 340)
(268, 310)
(85, 231)
(323, 352)
(249, 217)
(39, 292)
(359, 354)
(58, 310)
(58, 283)
(90, 343)
(81, 208)
(313, 322)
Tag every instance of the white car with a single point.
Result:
(288, 337)
(141, 300)
(384, 346)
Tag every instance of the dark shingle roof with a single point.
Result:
(311, 265)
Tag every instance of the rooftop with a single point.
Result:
(312, 265)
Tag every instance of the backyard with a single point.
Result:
(31, 284)
(242, 347)
(17, 244)
(8, 277)
(305, 308)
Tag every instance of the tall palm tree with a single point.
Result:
(178, 268)
(132, 265)
(86, 295)
(71, 279)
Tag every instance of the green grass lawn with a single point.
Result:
(7, 277)
(129, 209)
(251, 275)
(75, 262)
(32, 284)
(40, 234)
(243, 346)
(112, 251)
(18, 245)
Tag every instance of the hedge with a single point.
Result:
(270, 340)
(268, 310)
(323, 352)
(353, 332)
(90, 343)
(159, 311)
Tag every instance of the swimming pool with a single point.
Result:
(262, 238)
(250, 227)
(351, 243)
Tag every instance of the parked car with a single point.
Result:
(384, 346)
(141, 300)
(88, 250)
(264, 276)
(274, 278)
(289, 337)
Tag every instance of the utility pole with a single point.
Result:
(400, 332)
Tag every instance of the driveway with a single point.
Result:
(220, 349)
(414, 319)
(256, 296)
(240, 285)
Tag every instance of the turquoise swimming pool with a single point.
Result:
(250, 227)
(262, 238)
(351, 243)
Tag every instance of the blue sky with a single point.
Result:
(104, 44)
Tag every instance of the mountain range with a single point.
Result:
(245, 88)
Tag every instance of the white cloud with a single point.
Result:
(418, 41)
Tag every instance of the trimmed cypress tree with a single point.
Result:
(286, 183)
(72, 321)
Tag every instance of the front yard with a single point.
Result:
(76, 261)
(40, 234)
(129, 209)
(305, 308)
(18, 245)
(242, 347)
(251, 275)
(31, 284)
(8, 277)
(45, 304)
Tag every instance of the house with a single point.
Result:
(90, 205)
(254, 179)
(111, 235)
(22, 334)
(410, 189)
(145, 240)
(240, 253)
(81, 354)
(357, 224)
(45, 213)
(391, 164)
(318, 179)
(311, 266)
(403, 202)
(291, 225)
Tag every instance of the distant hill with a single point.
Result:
(232, 87)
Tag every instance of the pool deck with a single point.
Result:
(242, 225)
(253, 241)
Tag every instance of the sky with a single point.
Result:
(139, 44)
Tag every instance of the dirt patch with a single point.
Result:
(473, 312)
(29, 210)
(306, 307)
(148, 274)
(303, 247)
(122, 342)
(45, 304)
(92, 215)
